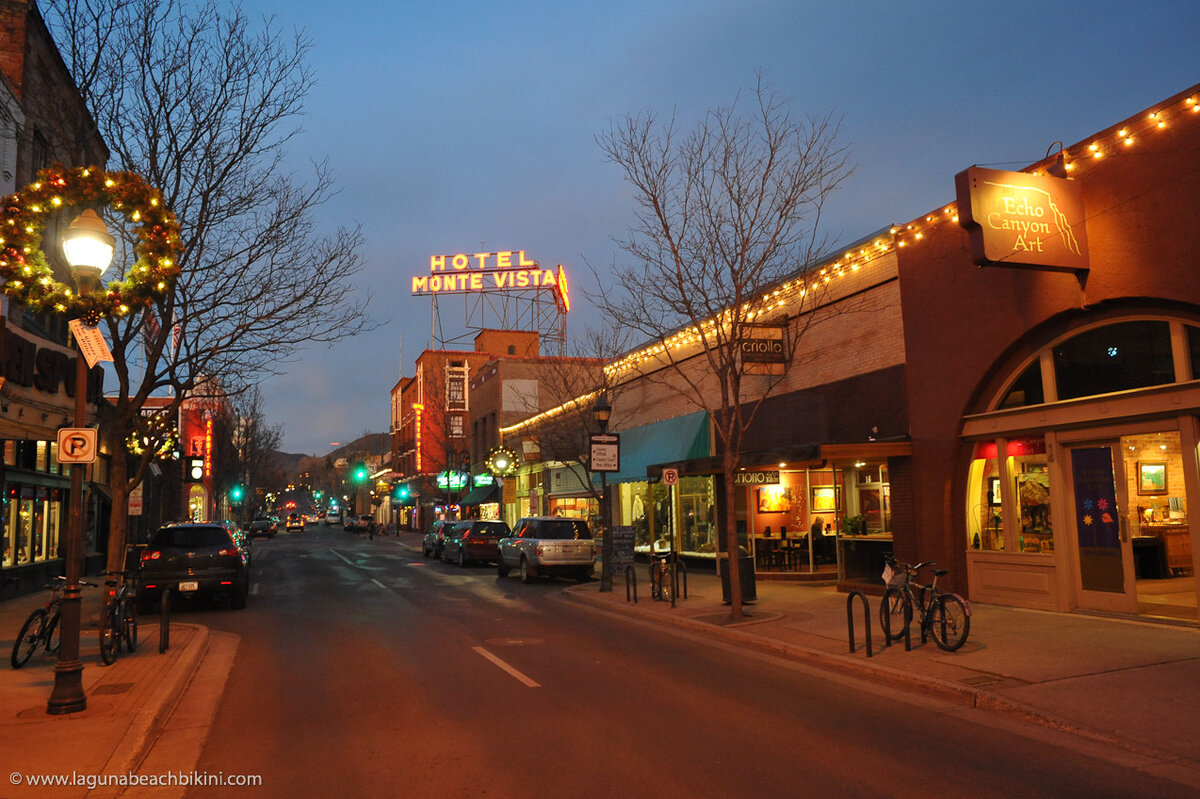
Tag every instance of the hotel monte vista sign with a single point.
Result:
(1021, 219)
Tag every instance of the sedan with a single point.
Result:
(193, 560)
(473, 542)
(431, 544)
(294, 522)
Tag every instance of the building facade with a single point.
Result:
(42, 120)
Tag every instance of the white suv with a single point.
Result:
(547, 545)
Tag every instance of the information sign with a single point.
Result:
(605, 453)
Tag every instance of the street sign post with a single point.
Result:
(605, 453)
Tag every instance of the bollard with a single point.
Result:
(631, 580)
(164, 621)
(866, 619)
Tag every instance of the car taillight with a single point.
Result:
(151, 554)
(229, 551)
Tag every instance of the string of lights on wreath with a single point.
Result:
(28, 276)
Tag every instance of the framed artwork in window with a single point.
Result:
(826, 498)
(1152, 478)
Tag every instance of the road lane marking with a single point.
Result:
(381, 585)
(512, 671)
(343, 557)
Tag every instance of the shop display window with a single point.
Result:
(985, 512)
(1009, 493)
(697, 514)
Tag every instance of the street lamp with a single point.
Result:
(601, 412)
(88, 248)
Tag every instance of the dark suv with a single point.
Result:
(193, 560)
(472, 541)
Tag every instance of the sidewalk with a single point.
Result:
(126, 702)
(1118, 681)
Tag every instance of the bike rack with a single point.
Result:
(164, 621)
(886, 618)
(631, 582)
(681, 566)
(866, 606)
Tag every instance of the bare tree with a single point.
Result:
(724, 212)
(202, 103)
(253, 443)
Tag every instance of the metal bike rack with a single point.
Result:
(866, 606)
(631, 583)
(164, 621)
(886, 618)
(681, 566)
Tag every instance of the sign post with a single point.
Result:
(604, 456)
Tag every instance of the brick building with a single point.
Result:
(42, 120)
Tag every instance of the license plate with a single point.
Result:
(189, 586)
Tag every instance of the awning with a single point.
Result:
(671, 440)
(482, 495)
(797, 455)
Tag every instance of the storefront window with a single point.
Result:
(985, 516)
(1027, 464)
(1024, 506)
(1116, 357)
(1027, 390)
(697, 514)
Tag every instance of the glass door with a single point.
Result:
(1103, 552)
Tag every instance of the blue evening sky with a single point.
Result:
(470, 126)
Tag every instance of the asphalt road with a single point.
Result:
(365, 670)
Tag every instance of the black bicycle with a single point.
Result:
(118, 622)
(944, 615)
(41, 629)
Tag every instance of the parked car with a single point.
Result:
(473, 542)
(549, 545)
(193, 561)
(435, 539)
(294, 522)
(333, 517)
(264, 525)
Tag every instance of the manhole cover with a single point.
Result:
(980, 681)
(112, 688)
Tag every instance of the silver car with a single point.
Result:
(549, 545)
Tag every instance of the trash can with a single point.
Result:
(745, 572)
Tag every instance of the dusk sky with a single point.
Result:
(470, 127)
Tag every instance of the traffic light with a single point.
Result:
(401, 493)
(194, 469)
(237, 493)
(360, 473)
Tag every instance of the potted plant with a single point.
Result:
(855, 525)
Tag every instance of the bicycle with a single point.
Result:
(41, 628)
(661, 582)
(944, 615)
(118, 621)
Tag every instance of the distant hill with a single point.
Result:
(368, 445)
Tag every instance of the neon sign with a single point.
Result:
(418, 408)
(208, 427)
(506, 270)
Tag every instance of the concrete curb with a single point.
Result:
(143, 728)
(863, 669)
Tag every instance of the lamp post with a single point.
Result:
(601, 412)
(88, 248)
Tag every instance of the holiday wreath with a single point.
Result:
(29, 278)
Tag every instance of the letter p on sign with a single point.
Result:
(76, 445)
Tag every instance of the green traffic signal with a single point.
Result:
(360, 473)
(236, 493)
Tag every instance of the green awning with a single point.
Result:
(668, 441)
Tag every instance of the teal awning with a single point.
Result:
(668, 441)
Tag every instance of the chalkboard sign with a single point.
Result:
(622, 549)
